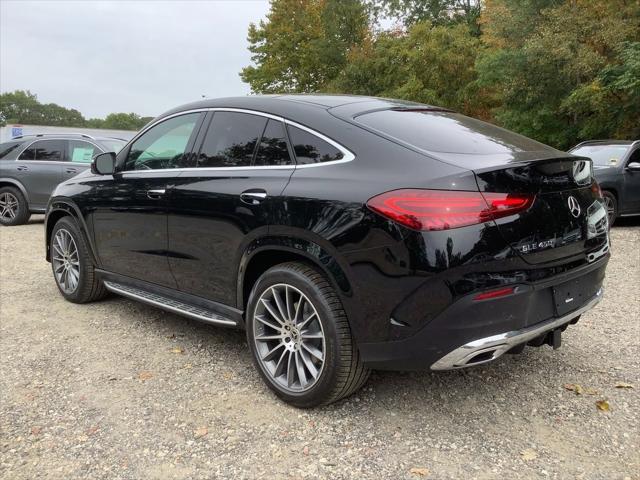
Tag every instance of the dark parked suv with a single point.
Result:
(31, 166)
(343, 233)
(616, 166)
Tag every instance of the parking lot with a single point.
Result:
(117, 389)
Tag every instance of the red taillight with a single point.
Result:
(502, 292)
(445, 209)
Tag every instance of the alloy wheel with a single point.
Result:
(66, 263)
(8, 206)
(289, 338)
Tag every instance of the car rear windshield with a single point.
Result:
(602, 155)
(438, 131)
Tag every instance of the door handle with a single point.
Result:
(22, 168)
(71, 170)
(155, 194)
(253, 197)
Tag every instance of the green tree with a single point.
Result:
(21, 107)
(547, 66)
(302, 46)
(437, 12)
(123, 121)
(434, 65)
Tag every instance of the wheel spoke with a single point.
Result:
(299, 310)
(313, 351)
(279, 304)
(291, 370)
(281, 364)
(271, 353)
(272, 311)
(302, 376)
(287, 296)
(303, 324)
(262, 320)
(267, 338)
(309, 364)
(311, 336)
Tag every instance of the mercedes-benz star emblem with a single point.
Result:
(574, 206)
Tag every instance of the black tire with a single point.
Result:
(611, 204)
(17, 216)
(343, 372)
(89, 287)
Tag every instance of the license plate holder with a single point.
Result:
(570, 295)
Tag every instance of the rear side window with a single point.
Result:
(447, 132)
(8, 147)
(81, 152)
(44, 151)
(273, 146)
(311, 149)
(231, 140)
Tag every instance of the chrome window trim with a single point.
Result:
(57, 162)
(348, 155)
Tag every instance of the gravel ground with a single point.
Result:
(117, 389)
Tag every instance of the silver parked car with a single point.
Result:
(31, 166)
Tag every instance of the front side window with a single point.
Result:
(231, 140)
(273, 146)
(44, 151)
(81, 152)
(310, 148)
(162, 146)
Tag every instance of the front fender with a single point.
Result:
(61, 207)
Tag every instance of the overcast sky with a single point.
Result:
(125, 56)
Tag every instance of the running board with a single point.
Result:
(169, 304)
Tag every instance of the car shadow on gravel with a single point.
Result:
(446, 391)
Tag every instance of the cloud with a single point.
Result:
(135, 56)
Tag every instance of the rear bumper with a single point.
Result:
(471, 332)
(486, 349)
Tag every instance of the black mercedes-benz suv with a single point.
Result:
(343, 233)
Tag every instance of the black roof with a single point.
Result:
(279, 104)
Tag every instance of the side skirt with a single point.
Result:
(176, 302)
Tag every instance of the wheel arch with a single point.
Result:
(59, 209)
(265, 253)
(10, 182)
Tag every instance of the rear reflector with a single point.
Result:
(495, 293)
(444, 209)
(596, 190)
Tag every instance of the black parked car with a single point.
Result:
(343, 233)
(31, 166)
(616, 165)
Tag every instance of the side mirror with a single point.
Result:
(634, 166)
(104, 164)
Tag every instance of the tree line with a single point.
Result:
(559, 71)
(23, 107)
